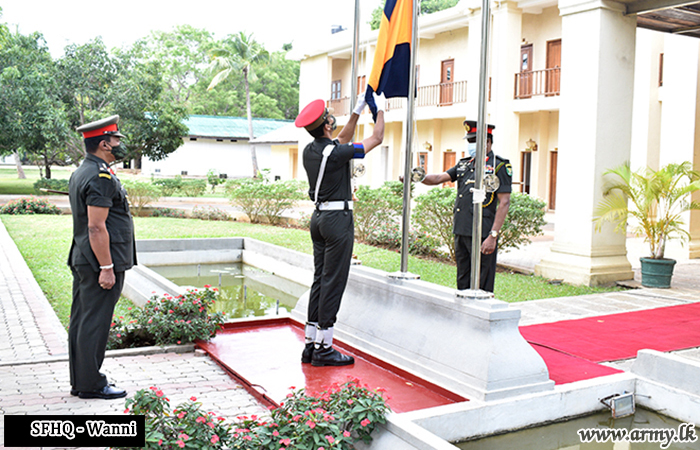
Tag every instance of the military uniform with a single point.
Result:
(94, 184)
(332, 230)
(463, 173)
(327, 164)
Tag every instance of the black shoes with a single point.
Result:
(330, 357)
(307, 354)
(107, 393)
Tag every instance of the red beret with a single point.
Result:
(312, 116)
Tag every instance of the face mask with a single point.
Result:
(471, 149)
(119, 151)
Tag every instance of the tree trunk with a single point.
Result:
(253, 156)
(20, 170)
(48, 168)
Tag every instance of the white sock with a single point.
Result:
(310, 332)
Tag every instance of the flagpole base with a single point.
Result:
(403, 276)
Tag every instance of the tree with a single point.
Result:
(243, 55)
(95, 84)
(32, 116)
(426, 7)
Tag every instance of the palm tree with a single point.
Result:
(658, 198)
(244, 55)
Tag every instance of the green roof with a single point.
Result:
(230, 127)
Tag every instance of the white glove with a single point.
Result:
(479, 195)
(360, 105)
(380, 100)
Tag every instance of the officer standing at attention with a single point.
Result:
(327, 164)
(103, 248)
(497, 183)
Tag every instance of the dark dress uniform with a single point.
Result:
(93, 184)
(332, 230)
(463, 173)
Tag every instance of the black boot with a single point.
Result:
(330, 357)
(308, 352)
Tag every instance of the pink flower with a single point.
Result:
(321, 448)
(181, 444)
(160, 441)
(193, 398)
(275, 433)
(214, 439)
(201, 419)
(126, 411)
(346, 433)
(311, 424)
(182, 414)
(351, 401)
(248, 438)
(330, 439)
(159, 393)
(285, 441)
(365, 422)
(207, 286)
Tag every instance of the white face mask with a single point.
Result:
(471, 149)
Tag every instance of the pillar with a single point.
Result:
(598, 43)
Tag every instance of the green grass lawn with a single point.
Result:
(44, 242)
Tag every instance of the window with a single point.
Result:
(335, 90)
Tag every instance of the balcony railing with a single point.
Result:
(537, 82)
(443, 94)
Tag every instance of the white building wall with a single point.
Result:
(200, 156)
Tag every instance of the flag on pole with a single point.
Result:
(390, 69)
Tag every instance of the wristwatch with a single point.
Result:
(494, 233)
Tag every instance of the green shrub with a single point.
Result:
(29, 205)
(260, 199)
(209, 213)
(376, 208)
(168, 186)
(193, 188)
(434, 214)
(141, 194)
(525, 219)
(168, 320)
(419, 242)
(50, 183)
(213, 179)
(168, 212)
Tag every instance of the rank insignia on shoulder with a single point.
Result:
(509, 170)
(105, 175)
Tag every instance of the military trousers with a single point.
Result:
(463, 255)
(90, 321)
(333, 235)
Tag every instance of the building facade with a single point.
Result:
(574, 88)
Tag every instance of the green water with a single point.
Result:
(565, 435)
(245, 291)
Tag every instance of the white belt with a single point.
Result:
(334, 206)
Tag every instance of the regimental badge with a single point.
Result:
(491, 182)
(509, 170)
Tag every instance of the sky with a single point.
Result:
(121, 22)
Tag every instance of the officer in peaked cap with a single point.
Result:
(497, 184)
(103, 248)
(327, 163)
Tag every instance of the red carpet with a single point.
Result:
(565, 368)
(620, 336)
(266, 358)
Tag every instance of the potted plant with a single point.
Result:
(657, 200)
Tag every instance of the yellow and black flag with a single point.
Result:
(390, 69)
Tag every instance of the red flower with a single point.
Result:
(365, 422)
(159, 393)
(311, 424)
(193, 398)
(207, 286)
(285, 441)
(214, 439)
(181, 444)
(331, 439)
(346, 433)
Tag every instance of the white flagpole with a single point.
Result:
(353, 77)
(479, 162)
(410, 104)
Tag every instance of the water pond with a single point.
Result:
(644, 424)
(245, 291)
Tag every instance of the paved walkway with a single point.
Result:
(33, 356)
(34, 375)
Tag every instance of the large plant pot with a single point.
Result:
(657, 273)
